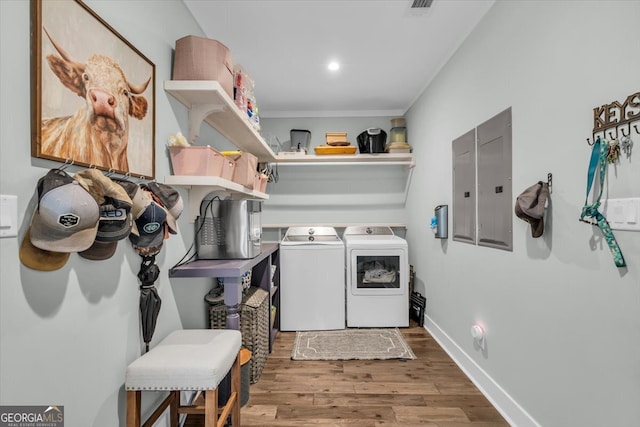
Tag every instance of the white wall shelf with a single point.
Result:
(403, 159)
(200, 186)
(337, 224)
(208, 102)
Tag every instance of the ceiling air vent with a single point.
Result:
(421, 4)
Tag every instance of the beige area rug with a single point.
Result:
(349, 344)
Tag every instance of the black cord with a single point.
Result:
(184, 259)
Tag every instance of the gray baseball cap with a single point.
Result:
(530, 206)
(67, 216)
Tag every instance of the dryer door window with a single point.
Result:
(377, 273)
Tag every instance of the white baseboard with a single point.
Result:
(515, 415)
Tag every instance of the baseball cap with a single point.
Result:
(147, 211)
(102, 187)
(115, 213)
(530, 206)
(170, 199)
(130, 187)
(168, 196)
(66, 218)
(140, 199)
(39, 259)
(151, 229)
(115, 224)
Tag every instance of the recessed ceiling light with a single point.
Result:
(333, 66)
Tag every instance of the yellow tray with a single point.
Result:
(328, 149)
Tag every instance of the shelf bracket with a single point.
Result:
(412, 163)
(197, 114)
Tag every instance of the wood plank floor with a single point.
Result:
(428, 391)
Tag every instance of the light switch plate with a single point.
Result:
(8, 216)
(623, 214)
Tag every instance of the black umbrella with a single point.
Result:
(150, 301)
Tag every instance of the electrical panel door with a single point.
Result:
(464, 188)
(495, 207)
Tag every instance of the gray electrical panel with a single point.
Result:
(464, 188)
(495, 207)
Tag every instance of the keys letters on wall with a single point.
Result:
(615, 120)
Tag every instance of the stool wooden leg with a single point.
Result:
(173, 409)
(211, 408)
(133, 408)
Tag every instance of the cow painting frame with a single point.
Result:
(92, 92)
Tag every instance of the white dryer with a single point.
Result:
(377, 281)
(312, 268)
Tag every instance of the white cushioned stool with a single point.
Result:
(196, 359)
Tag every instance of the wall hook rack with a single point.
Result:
(68, 162)
(613, 118)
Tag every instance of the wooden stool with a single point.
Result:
(195, 360)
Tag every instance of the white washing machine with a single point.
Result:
(312, 264)
(377, 281)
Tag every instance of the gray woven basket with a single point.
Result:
(254, 325)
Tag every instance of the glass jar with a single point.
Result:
(399, 134)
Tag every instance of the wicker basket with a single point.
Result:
(254, 325)
(245, 280)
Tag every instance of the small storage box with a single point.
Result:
(228, 168)
(262, 182)
(246, 168)
(199, 160)
(256, 181)
(333, 137)
(199, 58)
(254, 325)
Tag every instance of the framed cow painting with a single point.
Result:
(92, 92)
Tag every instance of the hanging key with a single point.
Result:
(614, 151)
(626, 144)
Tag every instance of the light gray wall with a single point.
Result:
(561, 320)
(67, 336)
